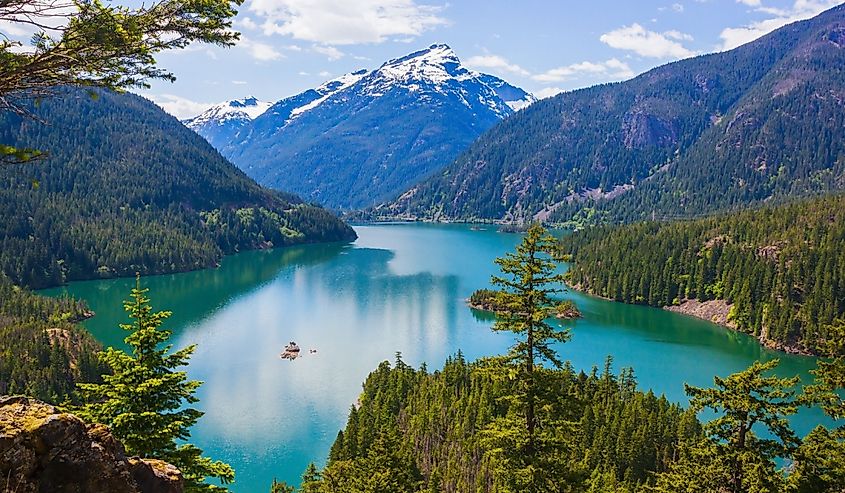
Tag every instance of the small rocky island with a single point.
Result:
(291, 351)
(487, 300)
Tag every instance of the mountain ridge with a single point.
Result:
(647, 146)
(367, 135)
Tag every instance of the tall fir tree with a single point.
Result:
(145, 399)
(524, 303)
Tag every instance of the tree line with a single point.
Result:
(780, 269)
(43, 353)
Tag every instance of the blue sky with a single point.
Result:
(543, 46)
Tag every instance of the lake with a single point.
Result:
(397, 288)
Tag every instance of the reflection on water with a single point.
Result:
(398, 288)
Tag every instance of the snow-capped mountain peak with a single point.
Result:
(219, 122)
(370, 134)
(435, 64)
(247, 108)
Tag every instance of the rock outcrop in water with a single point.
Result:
(42, 449)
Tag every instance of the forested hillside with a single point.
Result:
(761, 122)
(780, 270)
(420, 431)
(43, 353)
(126, 188)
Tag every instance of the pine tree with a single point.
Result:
(144, 399)
(281, 487)
(820, 461)
(734, 458)
(310, 480)
(523, 305)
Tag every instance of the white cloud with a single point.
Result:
(324, 73)
(178, 106)
(246, 23)
(239, 82)
(342, 22)
(547, 92)
(608, 70)
(677, 7)
(260, 51)
(801, 9)
(495, 62)
(678, 35)
(331, 52)
(647, 43)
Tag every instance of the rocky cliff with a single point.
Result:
(44, 450)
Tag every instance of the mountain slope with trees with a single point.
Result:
(761, 122)
(43, 353)
(126, 188)
(780, 271)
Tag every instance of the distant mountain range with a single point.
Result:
(760, 123)
(366, 136)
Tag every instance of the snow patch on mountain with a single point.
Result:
(248, 108)
(329, 88)
(435, 69)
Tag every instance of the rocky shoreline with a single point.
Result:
(716, 311)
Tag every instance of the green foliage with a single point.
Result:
(830, 375)
(281, 487)
(736, 457)
(43, 353)
(437, 427)
(485, 299)
(145, 399)
(820, 461)
(780, 268)
(104, 45)
(119, 167)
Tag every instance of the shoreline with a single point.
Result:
(715, 312)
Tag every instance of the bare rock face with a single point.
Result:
(43, 450)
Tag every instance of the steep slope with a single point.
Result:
(700, 129)
(222, 122)
(126, 188)
(368, 135)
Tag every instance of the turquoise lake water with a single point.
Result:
(397, 288)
